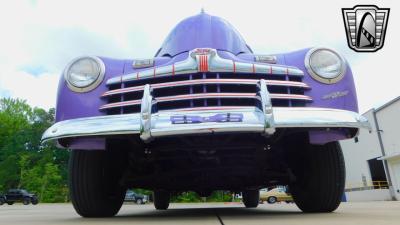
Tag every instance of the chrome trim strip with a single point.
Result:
(291, 97)
(120, 104)
(206, 96)
(208, 108)
(207, 60)
(253, 121)
(207, 81)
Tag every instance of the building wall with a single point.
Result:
(368, 147)
(389, 122)
(368, 195)
(356, 154)
(394, 170)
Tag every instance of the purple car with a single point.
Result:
(205, 114)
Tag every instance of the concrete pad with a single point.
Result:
(360, 213)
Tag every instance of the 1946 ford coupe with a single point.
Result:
(205, 114)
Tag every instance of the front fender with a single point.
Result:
(341, 95)
(71, 105)
(319, 91)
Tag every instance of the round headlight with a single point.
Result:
(325, 65)
(84, 74)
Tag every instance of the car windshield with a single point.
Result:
(23, 191)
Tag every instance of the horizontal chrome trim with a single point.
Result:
(291, 97)
(209, 62)
(207, 81)
(205, 96)
(208, 108)
(253, 121)
(121, 104)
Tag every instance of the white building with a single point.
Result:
(373, 158)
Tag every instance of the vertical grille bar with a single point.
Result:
(204, 89)
(191, 89)
(288, 90)
(121, 110)
(218, 91)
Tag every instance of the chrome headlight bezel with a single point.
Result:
(86, 88)
(320, 77)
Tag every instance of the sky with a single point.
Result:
(39, 37)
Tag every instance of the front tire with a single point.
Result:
(94, 182)
(34, 201)
(161, 199)
(139, 201)
(320, 178)
(251, 198)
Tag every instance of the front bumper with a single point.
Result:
(212, 120)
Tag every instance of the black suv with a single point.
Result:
(132, 196)
(18, 195)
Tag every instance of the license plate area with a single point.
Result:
(217, 118)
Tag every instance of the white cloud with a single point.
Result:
(47, 34)
(37, 90)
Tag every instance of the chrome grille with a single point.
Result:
(205, 89)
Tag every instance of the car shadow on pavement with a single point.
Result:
(195, 212)
(189, 214)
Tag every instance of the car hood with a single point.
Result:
(203, 31)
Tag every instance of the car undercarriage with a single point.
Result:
(207, 162)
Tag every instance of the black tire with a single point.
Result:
(320, 178)
(26, 201)
(161, 199)
(139, 201)
(94, 182)
(272, 200)
(10, 203)
(251, 198)
(34, 201)
(2, 201)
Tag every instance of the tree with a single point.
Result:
(14, 120)
(24, 161)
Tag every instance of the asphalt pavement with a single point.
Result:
(364, 213)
